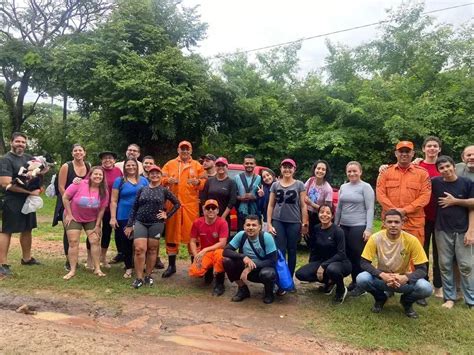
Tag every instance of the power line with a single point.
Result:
(329, 33)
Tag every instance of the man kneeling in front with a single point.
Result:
(254, 261)
(395, 251)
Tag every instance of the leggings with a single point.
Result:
(429, 235)
(334, 272)
(106, 232)
(126, 245)
(287, 238)
(355, 244)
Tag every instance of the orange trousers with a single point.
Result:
(212, 259)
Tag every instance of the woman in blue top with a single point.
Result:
(124, 192)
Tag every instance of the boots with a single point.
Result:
(219, 287)
(268, 297)
(242, 293)
(171, 266)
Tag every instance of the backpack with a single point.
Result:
(261, 240)
(247, 188)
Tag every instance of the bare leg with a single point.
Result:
(152, 250)
(25, 242)
(4, 246)
(73, 237)
(103, 258)
(140, 246)
(94, 240)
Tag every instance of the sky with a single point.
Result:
(247, 24)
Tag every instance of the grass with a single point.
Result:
(436, 331)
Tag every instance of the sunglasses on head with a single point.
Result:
(208, 208)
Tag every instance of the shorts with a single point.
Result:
(148, 230)
(88, 226)
(13, 221)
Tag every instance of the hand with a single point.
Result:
(77, 180)
(250, 197)
(128, 231)
(447, 201)
(400, 280)
(162, 215)
(67, 219)
(244, 274)
(193, 181)
(320, 273)
(387, 278)
(35, 192)
(198, 258)
(308, 201)
(417, 161)
(271, 229)
(98, 230)
(260, 191)
(469, 238)
(249, 263)
(113, 223)
(304, 229)
(172, 180)
(382, 168)
(366, 235)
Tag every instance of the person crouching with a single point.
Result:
(212, 233)
(255, 260)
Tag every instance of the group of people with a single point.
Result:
(187, 201)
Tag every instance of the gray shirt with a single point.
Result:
(463, 171)
(356, 205)
(287, 202)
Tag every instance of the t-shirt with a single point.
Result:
(247, 208)
(356, 205)
(85, 203)
(209, 234)
(394, 255)
(10, 164)
(430, 208)
(327, 245)
(453, 219)
(287, 202)
(318, 194)
(223, 191)
(462, 170)
(127, 195)
(247, 250)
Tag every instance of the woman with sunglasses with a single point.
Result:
(287, 215)
(147, 218)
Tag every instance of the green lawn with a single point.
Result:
(436, 331)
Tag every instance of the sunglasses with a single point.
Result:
(209, 208)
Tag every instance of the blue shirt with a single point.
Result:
(247, 208)
(247, 250)
(127, 195)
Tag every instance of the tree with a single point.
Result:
(28, 31)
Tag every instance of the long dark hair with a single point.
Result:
(328, 169)
(103, 192)
(270, 171)
(137, 174)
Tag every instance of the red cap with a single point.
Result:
(211, 203)
(185, 143)
(222, 160)
(288, 161)
(405, 144)
(154, 167)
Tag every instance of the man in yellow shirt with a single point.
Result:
(394, 250)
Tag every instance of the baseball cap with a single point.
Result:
(154, 167)
(405, 144)
(222, 160)
(209, 157)
(211, 203)
(107, 152)
(288, 161)
(185, 143)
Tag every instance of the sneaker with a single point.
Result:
(137, 283)
(149, 281)
(422, 302)
(5, 270)
(329, 288)
(30, 262)
(268, 298)
(409, 311)
(218, 290)
(67, 266)
(357, 292)
(339, 298)
(378, 306)
(242, 293)
(281, 292)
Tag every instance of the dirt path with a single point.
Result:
(185, 324)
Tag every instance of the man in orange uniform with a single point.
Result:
(405, 187)
(185, 177)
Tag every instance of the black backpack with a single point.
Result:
(261, 240)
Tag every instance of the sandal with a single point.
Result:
(128, 274)
(69, 276)
(99, 273)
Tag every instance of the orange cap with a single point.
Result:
(405, 144)
(211, 203)
(185, 143)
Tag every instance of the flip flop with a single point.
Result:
(68, 276)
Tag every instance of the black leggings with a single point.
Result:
(355, 244)
(334, 272)
(234, 268)
(429, 235)
(126, 245)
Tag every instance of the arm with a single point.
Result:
(271, 205)
(423, 198)
(270, 260)
(113, 208)
(231, 252)
(304, 213)
(469, 236)
(202, 176)
(204, 193)
(232, 200)
(382, 197)
(341, 249)
(369, 200)
(193, 246)
(62, 177)
(450, 200)
(419, 273)
(176, 204)
(366, 265)
(219, 245)
(337, 217)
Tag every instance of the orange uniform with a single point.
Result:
(212, 259)
(178, 227)
(408, 189)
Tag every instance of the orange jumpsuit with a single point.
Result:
(409, 189)
(178, 227)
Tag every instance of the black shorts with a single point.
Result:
(13, 221)
(149, 231)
